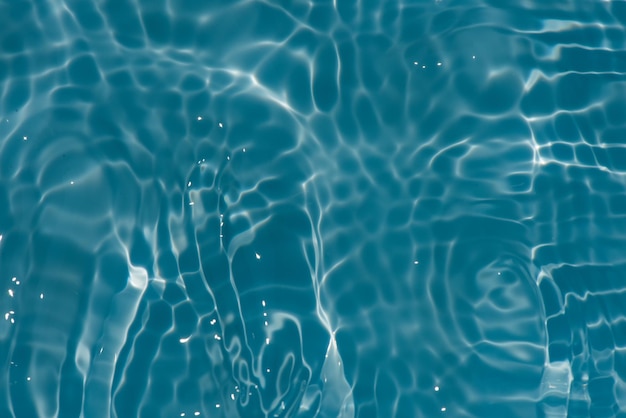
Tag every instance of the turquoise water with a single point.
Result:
(312, 209)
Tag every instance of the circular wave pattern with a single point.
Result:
(327, 209)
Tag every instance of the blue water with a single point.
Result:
(312, 209)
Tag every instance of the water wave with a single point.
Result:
(312, 210)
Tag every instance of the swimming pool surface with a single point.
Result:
(312, 208)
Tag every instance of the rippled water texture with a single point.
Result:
(312, 209)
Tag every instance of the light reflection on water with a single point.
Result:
(312, 210)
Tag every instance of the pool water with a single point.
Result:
(312, 208)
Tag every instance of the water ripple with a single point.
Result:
(347, 209)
